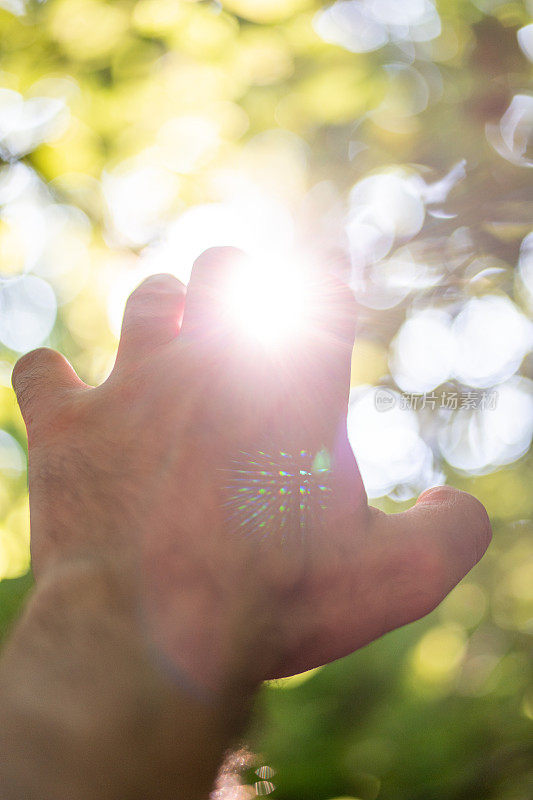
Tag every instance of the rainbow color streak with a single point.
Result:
(281, 495)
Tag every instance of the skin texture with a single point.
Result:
(86, 713)
(131, 477)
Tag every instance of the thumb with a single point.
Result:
(40, 378)
(433, 545)
(457, 523)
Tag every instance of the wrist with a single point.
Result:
(210, 646)
(213, 640)
(215, 644)
(108, 717)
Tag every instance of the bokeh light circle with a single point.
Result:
(27, 312)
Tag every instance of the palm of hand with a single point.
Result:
(162, 467)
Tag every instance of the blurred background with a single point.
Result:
(390, 141)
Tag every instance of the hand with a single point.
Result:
(147, 472)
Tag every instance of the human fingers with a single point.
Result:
(152, 318)
(431, 547)
(41, 379)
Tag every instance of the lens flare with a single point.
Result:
(268, 302)
(276, 494)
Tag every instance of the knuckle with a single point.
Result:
(29, 365)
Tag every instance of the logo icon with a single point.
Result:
(384, 399)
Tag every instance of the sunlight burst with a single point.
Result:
(267, 301)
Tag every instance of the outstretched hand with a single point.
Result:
(219, 475)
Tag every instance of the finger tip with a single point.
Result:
(470, 511)
(36, 361)
(214, 256)
(162, 281)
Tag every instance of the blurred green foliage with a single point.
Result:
(118, 117)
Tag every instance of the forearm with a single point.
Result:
(85, 710)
